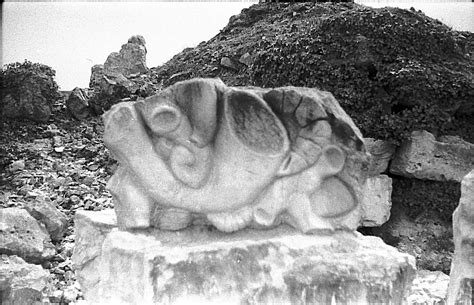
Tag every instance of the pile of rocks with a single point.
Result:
(123, 76)
(27, 238)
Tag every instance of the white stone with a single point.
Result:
(424, 157)
(205, 266)
(21, 235)
(381, 152)
(461, 283)
(377, 201)
(20, 282)
(429, 287)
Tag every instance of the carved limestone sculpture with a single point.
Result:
(236, 157)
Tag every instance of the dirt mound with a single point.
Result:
(392, 70)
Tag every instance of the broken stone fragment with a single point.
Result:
(91, 230)
(377, 201)
(20, 282)
(130, 60)
(20, 234)
(381, 152)
(198, 265)
(461, 284)
(78, 103)
(424, 157)
(45, 212)
(228, 63)
(429, 287)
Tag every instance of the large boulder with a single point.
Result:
(123, 77)
(461, 284)
(78, 103)
(130, 60)
(199, 265)
(46, 213)
(21, 235)
(425, 157)
(20, 282)
(28, 90)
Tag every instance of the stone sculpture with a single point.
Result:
(236, 157)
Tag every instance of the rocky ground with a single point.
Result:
(62, 161)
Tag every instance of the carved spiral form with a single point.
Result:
(190, 166)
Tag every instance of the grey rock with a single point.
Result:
(275, 266)
(97, 74)
(91, 230)
(461, 283)
(381, 152)
(423, 157)
(246, 59)
(20, 234)
(130, 60)
(29, 105)
(377, 201)
(17, 165)
(228, 63)
(78, 103)
(429, 287)
(45, 212)
(20, 282)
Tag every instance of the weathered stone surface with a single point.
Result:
(45, 212)
(429, 287)
(461, 284)
(377, 201)
(29, 105)
(423, 157)
(20, 282)
(20, 234)
(199, 265)
(91, 230)
(97, 74)
(78, 103)
(130, 60)
(239, 156)
(381, 152)
(228, 63)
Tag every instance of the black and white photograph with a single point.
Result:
(237, 152)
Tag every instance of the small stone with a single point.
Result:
(227, 62)
(246, 59)
(74, 199)
(17, 165)
(56, 296)
(70, 294)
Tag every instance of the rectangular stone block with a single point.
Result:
(277, 266)
(377, 201)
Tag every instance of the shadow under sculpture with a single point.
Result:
(237, 157)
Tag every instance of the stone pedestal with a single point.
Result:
(202, 265)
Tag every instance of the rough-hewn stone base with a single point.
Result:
(202, 265)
